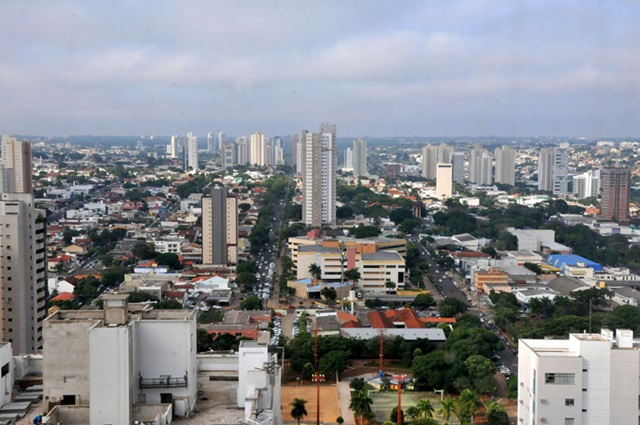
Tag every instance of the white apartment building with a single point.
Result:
(505, 165)
(444, 181)
(128, 363)
(319, 162)
(589, 379)
(191, 152)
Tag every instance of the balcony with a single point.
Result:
(164, 381)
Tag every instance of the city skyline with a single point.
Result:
(427, 68)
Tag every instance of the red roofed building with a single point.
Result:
(63, 296)
(404, 318)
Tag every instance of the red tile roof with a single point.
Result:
(387, 319)
(63, 296)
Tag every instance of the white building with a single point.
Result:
(319, 156)
(505, 165)
(587, 379)
(444, 181)
(128, 363)
(6, 375)
(191, 152)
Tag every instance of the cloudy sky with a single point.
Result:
(377, 68)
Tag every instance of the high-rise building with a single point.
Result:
(615, 186)
(242, 146)
(505, 172)
(587, 379)
(219, 227)
(360, 158)
(221, 139)
(191, 152)
(173, 148)
(586, 184)
(256, 148)
(319, 161)
(444, 154)
(295, 149)
(22, 252)
(553, 174)
(457, 160)
(228, 155)
(444, 181)
(210, 142)
(348, 159)
(429, 161)
(480, 167)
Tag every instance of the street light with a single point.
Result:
(400, 380)
(317, 378)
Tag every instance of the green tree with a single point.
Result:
(400, 214)
(426, 408)
(143, 251)
(315, 271)
(334, 362)
(298, 409)
(480, 370)
(451, 307)
(204, 340)
(360, 404)
(353, 275)
(357, 384)
(251, 303)
(394, 415)
(329, 293)
(497, 415)
(423, 301)
(169, 259)
(447, 408)
(467, 406)
(363, 231)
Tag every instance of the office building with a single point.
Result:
(319, 160)
(457, 160)
(360, 158)
(22, 253)
(219, 228)
(191, 152)
(124, 364)
(615, 189)
(587, 184)
(348, 159)
(585, 380)
(444, 181)
(505, 171)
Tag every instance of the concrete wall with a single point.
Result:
(6, 377)
(218, 362)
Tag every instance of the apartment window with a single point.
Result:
(569, 421)
(560, 378)
(569, 402)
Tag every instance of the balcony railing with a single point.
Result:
(163, 381)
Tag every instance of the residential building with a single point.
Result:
(242, 147)
(588, 379)
(296, 153)
(256, 148)
(429, 161)
(360, 158)
(211, 145)
(553, 171)
(228, 155)
(587, 184)
(173, 147)
(191, 152)
(615, 189)
(221, 140)
(319, 176)
(480, 166)
(545, 170)
(23, 280)
(457, 160)
(348, 159)
(444, 181)
(129, 362)
(219, 227)
(505, 171)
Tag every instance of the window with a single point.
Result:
(569, 421)
(5, 370)
(560, 378)
(569, 402)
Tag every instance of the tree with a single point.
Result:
(423, 301)
(329, 293)
(497, 415)
(447, 408)
(400, 214)
(340, 420)
(451, 307)
(143, 251)
(413, 412)
(334, 362)
(251, 303)
(425, 421)
(315, 271)
(363, 231)
(480, 370)
(394, 415)
(298, 410)
(426, 408)
(353, 275)
(467, 406)
(360, 404)
(357, 384)
(169, 259)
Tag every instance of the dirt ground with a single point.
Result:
(329, 408)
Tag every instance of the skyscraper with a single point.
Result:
(319, 161)
(256, 148)
(210, 142)
(586, 184)
(221, 140)
(505, 165)
(360, 158)
(457, 161)
(480, 166)
(348, 159)
(219, 227)
(228, 154)
(429, 161)
(615, 186)
(295, 139)
(444, 181)
(553, 170)
(242, 146)
(545, 170)
(172, 149)
(191, 152)
(22, 253)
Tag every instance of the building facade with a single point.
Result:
(615, 190)
(587, 379)
(191, 152)
(319, 161)
(360, 158)
(444, 181)
(219, 227)
(505, 172)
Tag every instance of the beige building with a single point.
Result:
(219, 228)
(444, 181)
(16, 166)
(319, 164)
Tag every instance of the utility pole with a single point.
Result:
(400, 380)
(317, 377)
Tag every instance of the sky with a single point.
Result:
(375, 68)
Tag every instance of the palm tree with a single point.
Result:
(315, 271)
(360, 404)
(468, 404)
(426, 408)
(447, 408)
(353, 275)
(298, 411)
(413, 412)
